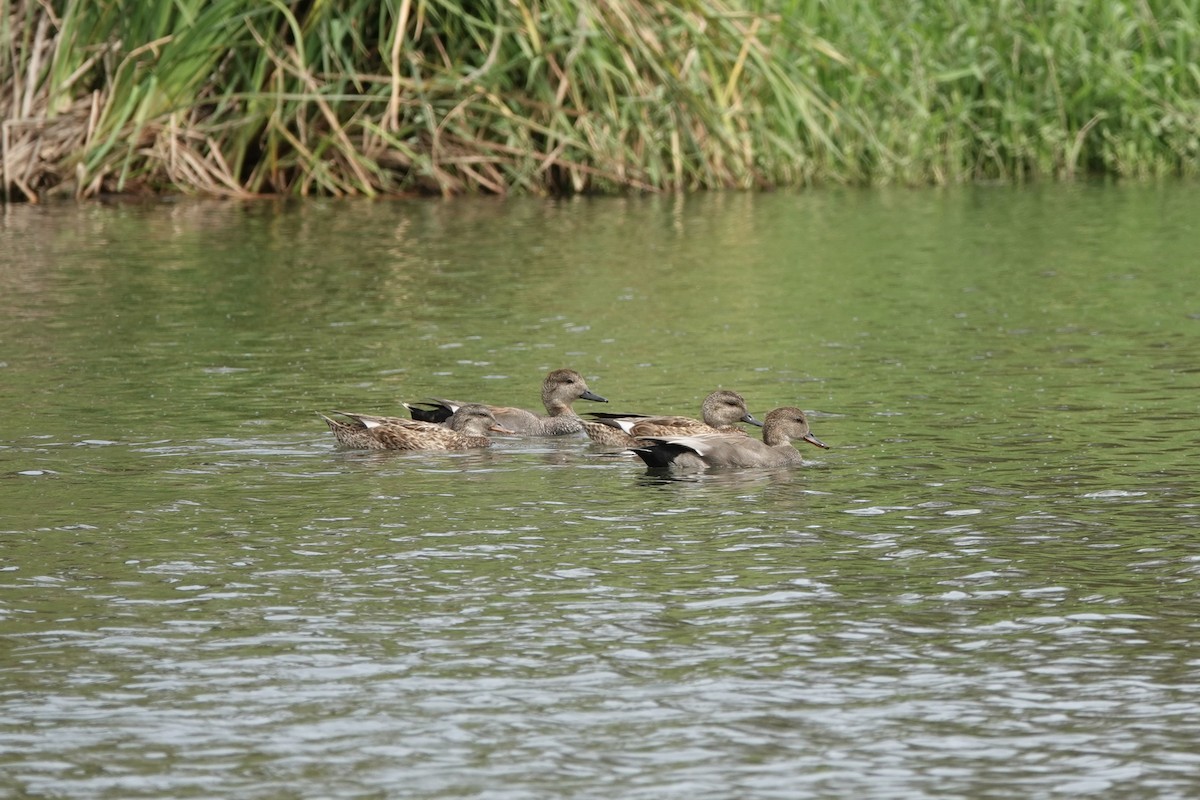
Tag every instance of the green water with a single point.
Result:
(987, 587)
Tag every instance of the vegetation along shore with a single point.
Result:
(370, 97)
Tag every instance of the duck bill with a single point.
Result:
(590, 395)
(498, 428)
(750, 420)
(808, 437)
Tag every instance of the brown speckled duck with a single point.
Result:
(721, 411)
(465, 429)
(689, 453)
(560, 389)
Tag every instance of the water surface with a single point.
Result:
(987, 587)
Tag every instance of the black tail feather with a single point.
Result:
(659, 454)
(429, 412)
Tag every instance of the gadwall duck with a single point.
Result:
(721, 411)
(465, 429)
(560, 390)
(687, 453)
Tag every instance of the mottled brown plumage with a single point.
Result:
(688, 453)
(721, 411)
(465, 429)
(560, 389)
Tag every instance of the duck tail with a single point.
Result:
(429, 412)
(656, 456)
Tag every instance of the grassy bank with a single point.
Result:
(342, 97)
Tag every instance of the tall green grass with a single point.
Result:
(362, 97)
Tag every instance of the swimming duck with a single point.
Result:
(560, 389)
(465, 429)
(686, 453)
(721, 411)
